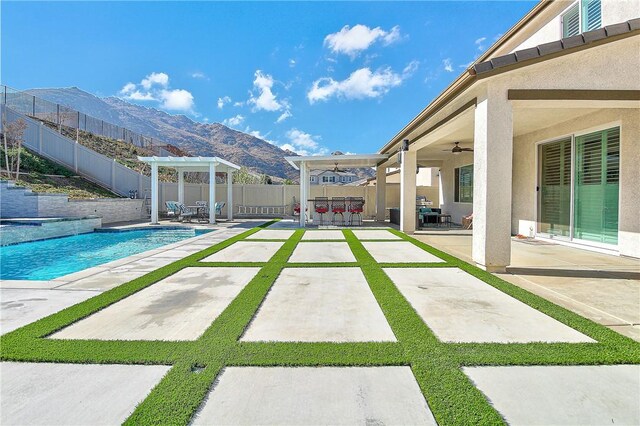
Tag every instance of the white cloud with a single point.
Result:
(292, 63)
(447, 64)
(155, 78)
(155, 87)
(265, 99)
(304, 143)
(233, 121)
(361, 84)
(222, 101)
(199, 75)
(176, 100)
(353, 40)
(238, 104)
(284, 116)
(480, 43)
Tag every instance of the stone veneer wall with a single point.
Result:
(18, 202)
(47, 228)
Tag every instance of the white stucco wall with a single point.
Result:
(549, 28)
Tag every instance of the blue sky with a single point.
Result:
(314, 77)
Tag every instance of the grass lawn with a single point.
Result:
(436, 365)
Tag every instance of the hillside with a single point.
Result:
(42, 175)
(195, 138)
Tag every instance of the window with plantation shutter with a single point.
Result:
(591, 15)
(584, 15)
(463, 185)
(571, 21)
(596, 190)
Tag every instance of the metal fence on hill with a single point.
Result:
(62, 117)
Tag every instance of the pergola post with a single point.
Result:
(303, 193)
(229, 194)
(381, 193)
(154, 193)
(181, 186)
(212, 193)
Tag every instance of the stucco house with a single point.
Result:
(544, 135)
(331, 177)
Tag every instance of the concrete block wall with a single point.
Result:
(19, 202)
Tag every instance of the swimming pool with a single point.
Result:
(53, 258)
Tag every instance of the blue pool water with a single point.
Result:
(53, 258)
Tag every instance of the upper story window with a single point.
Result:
(328, 179)
(584, 15)
(313, 178)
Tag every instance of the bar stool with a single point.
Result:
(356, 207)
(321, 205)
(296, 209)
(338, 206)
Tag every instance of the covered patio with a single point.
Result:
(333, 162)
(211, 165)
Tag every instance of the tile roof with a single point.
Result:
(546, 49)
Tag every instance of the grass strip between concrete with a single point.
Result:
(451, 396)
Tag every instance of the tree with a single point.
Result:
(245, 177)
(13, 137)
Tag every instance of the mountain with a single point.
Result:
(191, 136)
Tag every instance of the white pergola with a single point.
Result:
(192, 164)
(328, 162)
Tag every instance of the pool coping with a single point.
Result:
(109, 266)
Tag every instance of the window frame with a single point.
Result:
(456, 184)
(581, 5)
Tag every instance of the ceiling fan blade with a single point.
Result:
(467, 149)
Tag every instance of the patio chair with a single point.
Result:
(219, 207)
(173, 212)
(203, 210)
(467, 221)
(321, 206)
(296, 210)
(356, 207)
(338, 207)
(426, 216)
(185, 212)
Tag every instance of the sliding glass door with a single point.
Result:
(585, 207)
(597, 186)
(554, 192)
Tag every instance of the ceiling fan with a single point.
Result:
(457, 149)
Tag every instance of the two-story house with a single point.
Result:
(540, 136)
(331, 177)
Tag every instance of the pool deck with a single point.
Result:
(324, 303)
(25, 301)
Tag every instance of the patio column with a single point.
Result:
(212, 193)
(181, 186)
(154, 193)
(408, 191)
(303, 192)
(229, 194)
(492, 180)
(381, 193)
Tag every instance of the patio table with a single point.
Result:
(200, 212)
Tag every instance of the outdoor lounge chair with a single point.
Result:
(173, 212)
(219, 207)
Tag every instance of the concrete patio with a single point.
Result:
(604, 288)
(315, 305)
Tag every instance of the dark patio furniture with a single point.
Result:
(355, 207)
(321, 206)
(338, 207)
